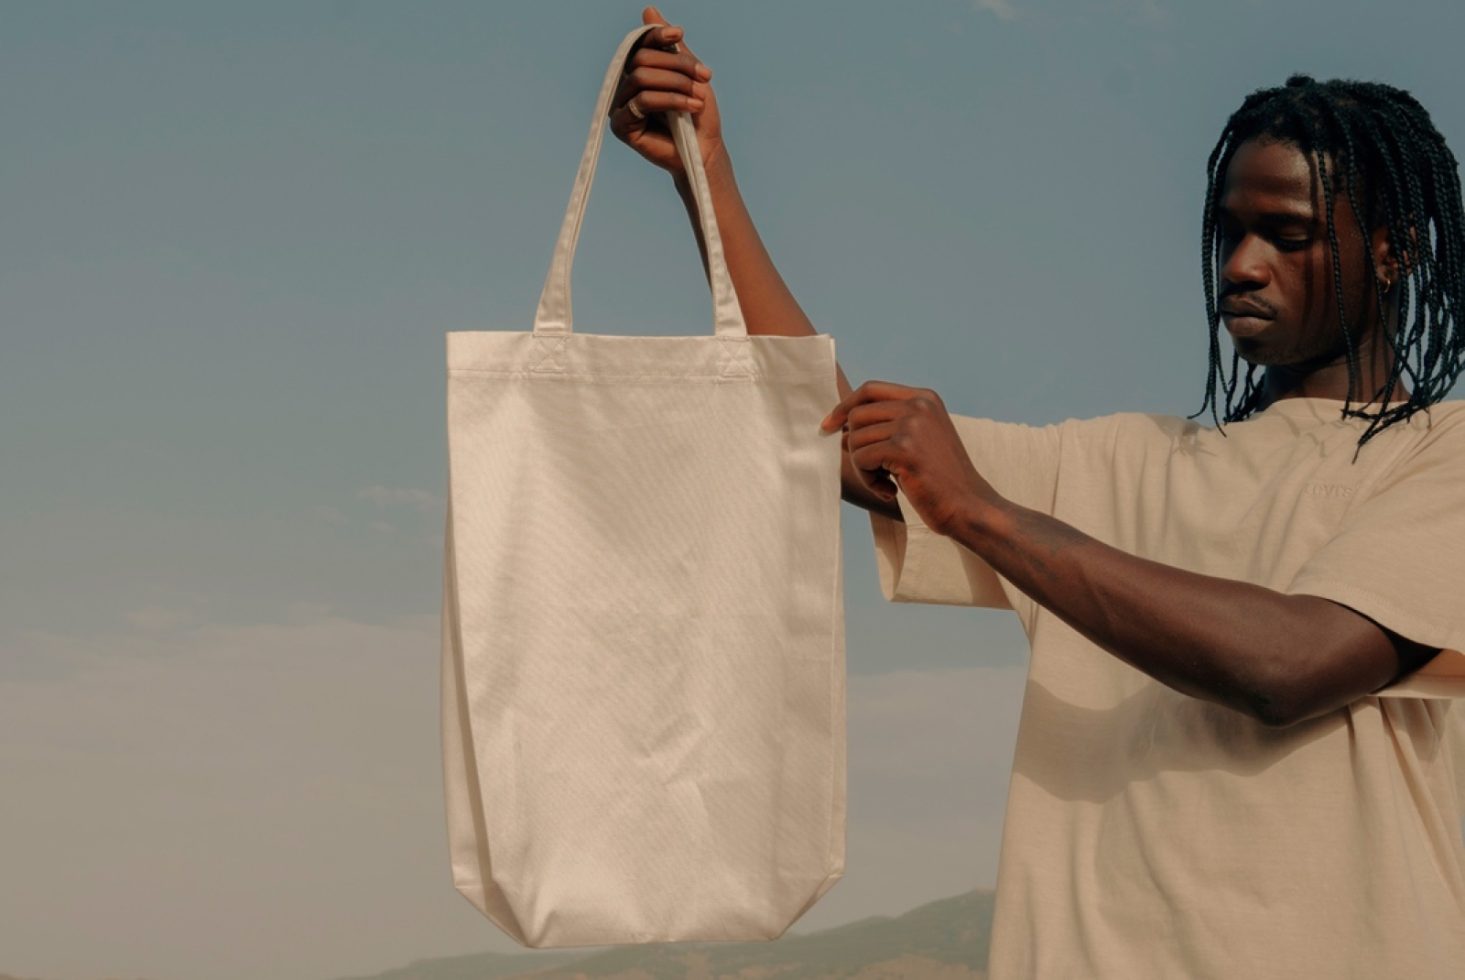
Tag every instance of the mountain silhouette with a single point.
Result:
(941, 940)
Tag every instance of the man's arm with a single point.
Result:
(1278, 658)
(768, 305)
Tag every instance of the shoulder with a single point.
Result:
(1441, 419)
(1436, 429)
(1437, 437)
(1133, 429)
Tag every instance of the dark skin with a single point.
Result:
(663, 73)
(1239, 640)
(1275, 254)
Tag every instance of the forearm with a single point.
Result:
(1225, 641)
(768, 306)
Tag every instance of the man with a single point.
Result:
(1207, 781)
(1240, 753)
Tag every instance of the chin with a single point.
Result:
(1256, 350)
(1253, 350)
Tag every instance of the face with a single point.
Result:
(1277, 261)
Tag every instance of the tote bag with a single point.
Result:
(643, 648)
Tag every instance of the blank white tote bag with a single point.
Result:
(643, 647)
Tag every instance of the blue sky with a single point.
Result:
(234, 237)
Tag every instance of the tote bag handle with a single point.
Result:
(554, 316)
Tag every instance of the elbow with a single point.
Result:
(1284, 700)
(1272, 712)
(1342, 661)
(1286, 684)
(1275, 699)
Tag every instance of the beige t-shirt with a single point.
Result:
(1150, 834)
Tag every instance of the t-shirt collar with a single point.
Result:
(1325, 407)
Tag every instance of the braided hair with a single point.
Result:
(1382, 140)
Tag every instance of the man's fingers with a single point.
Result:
(650, 80)
(667, 36)
(649, 101)
(660, 39)
(870, 451)
(663, 36)
(651, 15)
(686, 62)
(684, 48)
(868, 434)
(870, 391)
(649, 87)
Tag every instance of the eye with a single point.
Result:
(1292, 244)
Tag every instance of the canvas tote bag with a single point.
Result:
(643, 670)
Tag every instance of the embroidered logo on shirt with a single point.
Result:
(1338, 490)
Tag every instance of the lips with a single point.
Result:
(1236, 308)
(1244, 318)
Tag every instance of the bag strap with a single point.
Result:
(554, 316)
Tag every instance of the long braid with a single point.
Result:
(1337, 257)
(1398, 189)
(1383, 141)
(1432, 293)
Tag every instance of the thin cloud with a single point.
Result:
(1002, 8)
(329, 514)
(420, 500)
(155, 619)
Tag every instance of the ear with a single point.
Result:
(1392, 264)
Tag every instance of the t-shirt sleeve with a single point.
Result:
(1399, 558)
(916, 564)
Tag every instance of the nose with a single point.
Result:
(1243, 264)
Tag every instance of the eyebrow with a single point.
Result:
(1274, 217)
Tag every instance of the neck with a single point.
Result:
(1375, 356)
